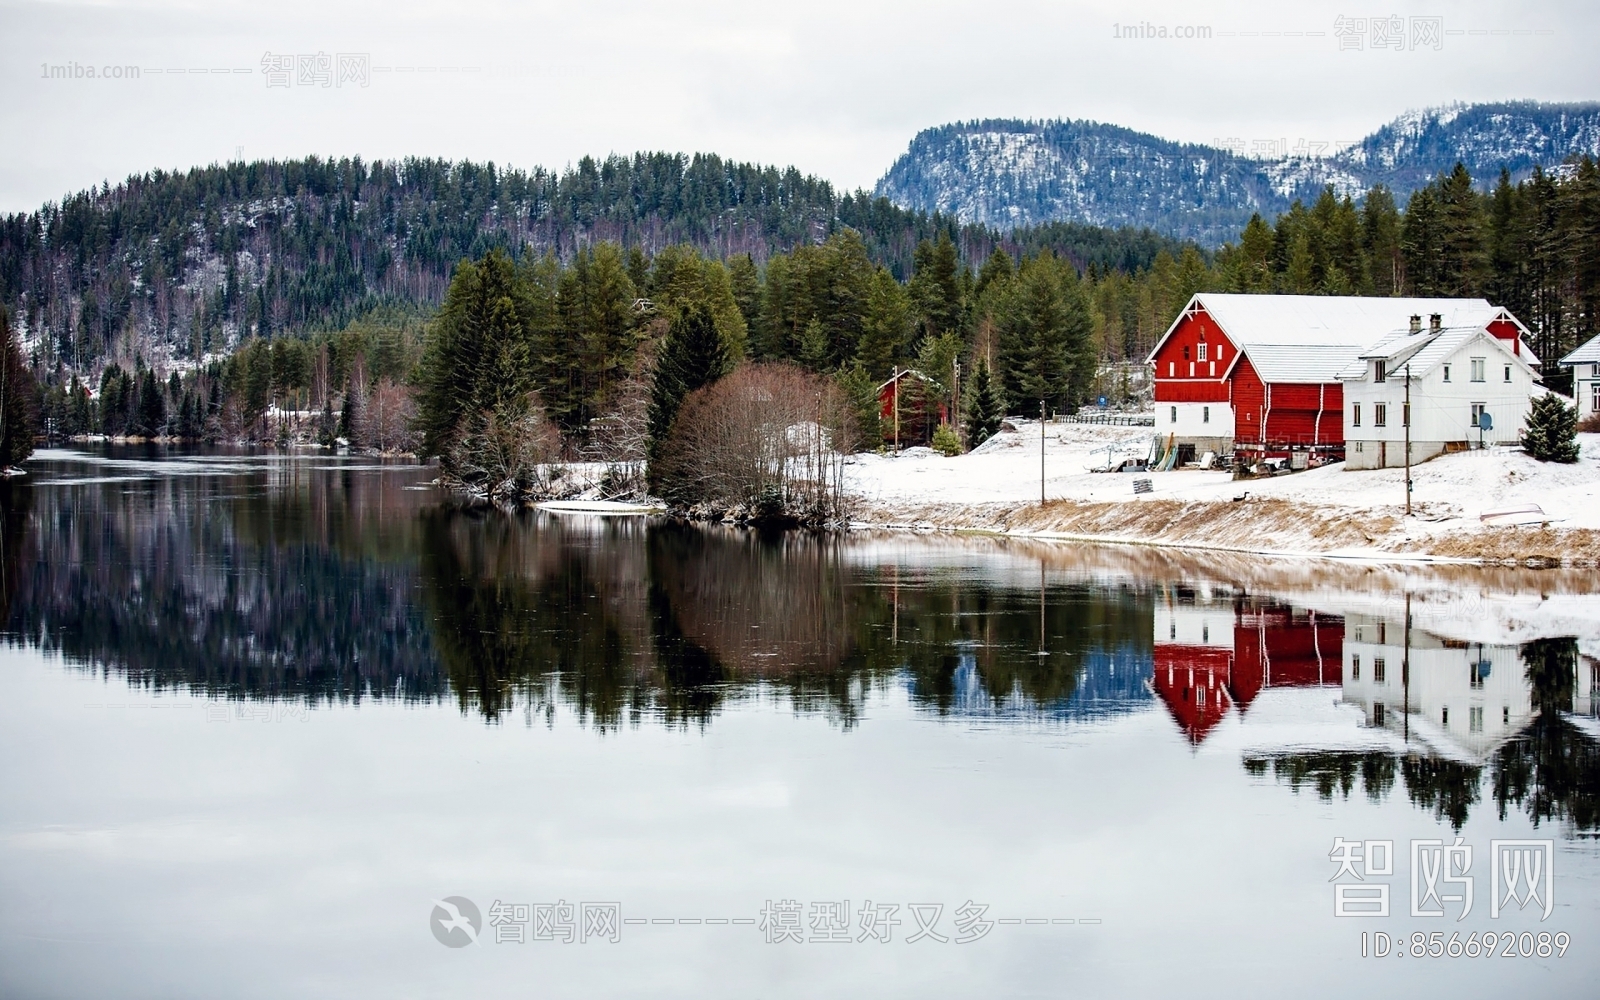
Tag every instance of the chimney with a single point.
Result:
(1416, 324)
(1434, 322)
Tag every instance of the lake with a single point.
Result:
(299, 725)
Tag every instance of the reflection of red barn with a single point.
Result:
(1211, 659)
(921, 409)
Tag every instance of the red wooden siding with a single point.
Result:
(1182, 350)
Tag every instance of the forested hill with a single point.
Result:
(1006, 172)
(182, 264)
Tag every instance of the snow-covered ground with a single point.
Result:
(1450, 494)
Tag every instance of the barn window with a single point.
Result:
(1477, 369)
(1172, 368)
(1213, 369)
(1380, 414)
(1219, 358)
(1355, 414)
(1202, 355)
(1186, 352)
(1447, 373)
(1191, 369)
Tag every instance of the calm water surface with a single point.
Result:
(260, 714)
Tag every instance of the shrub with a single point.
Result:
(1590, 424)
(1552, 430)
(945, 441)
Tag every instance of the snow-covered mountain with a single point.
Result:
(1008, 173)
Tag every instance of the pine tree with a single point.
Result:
(936, 286)
(18, 399)
(984, 409)
(886, 327)
(1552, 430)
(152, 417)
(693, 354)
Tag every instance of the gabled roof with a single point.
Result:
(1302, 320)
(1587, 354)
(1427, 350)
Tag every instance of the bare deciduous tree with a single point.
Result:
(770, 438)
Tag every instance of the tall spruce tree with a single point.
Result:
(18, 402)
(693, 354)
(984, 408)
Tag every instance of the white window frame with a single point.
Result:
(1202, 354)
(1380, 414)
(1447, 373)
(1355, 414)
(1480, 367)
(1508, 373)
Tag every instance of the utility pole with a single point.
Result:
(1407, 422)
(1041, 453)
(894, 388)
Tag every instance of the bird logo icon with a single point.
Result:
(455, 921)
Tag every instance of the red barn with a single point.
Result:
(1259, 374)
(910, 409)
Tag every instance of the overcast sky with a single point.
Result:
(835, 87)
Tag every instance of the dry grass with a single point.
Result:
(1258, 525)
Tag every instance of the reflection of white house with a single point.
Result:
(1585, 365)
(1462, 699)
(1472, 364)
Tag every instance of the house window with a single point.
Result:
(1594, 397)
(1444, 716)
(1405, 414)
(1359, 448)
(1202, 355)
(1447, 373)
(1508, 373)
(1475, 719)
(1477, 370)
(1377, 713)
(1594, 371)
(1355, 668)
(1378, 669)
(1380, 414)
(1355, 414)
(1380, 371)
(1205, 415)
(1477, 414)
(1174, 414)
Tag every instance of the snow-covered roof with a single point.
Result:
(1350, 320)
(1308, 363)
(1426, 350)
(1587, 354)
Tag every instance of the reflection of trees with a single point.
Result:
(214, 584)
(1330, 772)
(617, 619)
(1551, 769)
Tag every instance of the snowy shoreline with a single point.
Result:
(1323, 513)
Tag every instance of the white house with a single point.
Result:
(1476, 365)
(1585, 365)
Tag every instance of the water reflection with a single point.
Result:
(321, 580)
